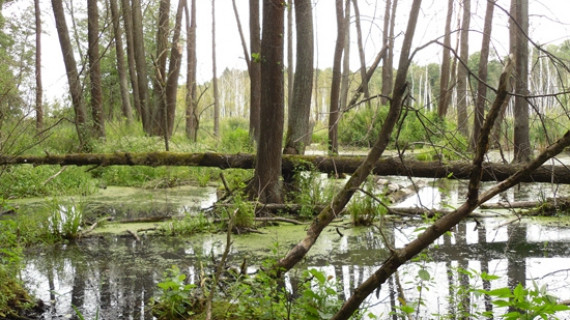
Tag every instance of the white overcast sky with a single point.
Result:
(549, 23)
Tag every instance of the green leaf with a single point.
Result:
(408, 309)
(424, 275)
(319, 275)
(519, 292)
(501, 292)
(489, 277)
(501, 303)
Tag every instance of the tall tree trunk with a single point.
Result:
(386, 69)
(39, 87)
(290, 49)
(345, 60)
(159, 116)
(335, 84)
(497, 128)
(326, 216)
(141, 68)
(361, 49)
(246, 54)
(300, 110)
(389, 65)
(128, 24)
(255, 72)
(191, 103)
(266, 181)
(214, 74)
(479, 114)
(95, 68)
(71, 71)
(462, 72)
(162, 42)
(123, 81)
(174, 69)
(444, 90)
(522, 148)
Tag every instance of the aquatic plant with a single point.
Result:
(66, 218)
(370, 206)
(175, 298)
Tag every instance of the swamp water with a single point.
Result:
(114, 276)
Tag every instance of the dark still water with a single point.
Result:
(116, 275)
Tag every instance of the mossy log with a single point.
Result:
(336, 165)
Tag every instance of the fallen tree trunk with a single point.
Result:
(337, 164)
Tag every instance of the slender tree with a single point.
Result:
(290, 50)
(120, 52)
(335, 84)
(141, 68)
(255, 71)
(387, 69)
(128, 25)
(266, 181)
(242, 37)
(191, 103)
(482, 74)
(462, 72)
(298, 123)
(522, 148)
(345, 60)
(214, 74)
(444, 90)
(158, 113)
(175, 63)
(71, 71)
(95, 68)
(39, 86)
(360, 48)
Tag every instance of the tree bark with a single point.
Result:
(214, 74)
(479, 114)
(363, 76)
(462, 72)
(341, 199)
(141, 68)
(255, 72)
(39, 87)
(128, 24)
(123, 81)
(522, 148)
(344, 83)
(246, 54)
(334, 112)
(290, 66)
(339, 164)
(71, 71)
(191, 103)
(158, 113)
(266, 183)
(174, 70)
(95, 69)
(444, 90)
(387, 68)
(298, 123)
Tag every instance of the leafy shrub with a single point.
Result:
(174, 300)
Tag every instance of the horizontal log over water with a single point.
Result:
(337, 164)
